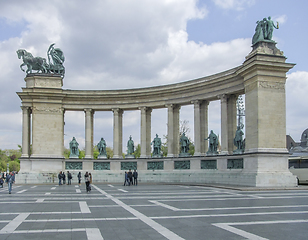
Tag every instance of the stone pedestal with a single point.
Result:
(47, 116)
(264, 73)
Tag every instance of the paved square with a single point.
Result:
(151, 212)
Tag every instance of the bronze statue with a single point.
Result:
(238, 140)
(130, 146)
(213, 143)
(184, 143)
(102, 148)
(74, 148)
(264, 30)
(32, 63)
(55, 59)
(156, 147)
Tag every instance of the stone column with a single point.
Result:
(26, 123)
(117, 132)
(204, 127)
(231, 108)
(197, 127)
(224, 124)
(145, 133)
(88, 133)
(173, 130)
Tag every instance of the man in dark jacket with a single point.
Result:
(130, 177)
(135, 176)
(69, 178)
(60, 177)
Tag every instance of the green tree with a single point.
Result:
(66, 153)
(109, 151)
(82, 154)
(137, 152)
(95, 152)
(14, 166)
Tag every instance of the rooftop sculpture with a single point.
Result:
(264, 30)
(54, 65)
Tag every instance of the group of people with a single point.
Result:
(9, 178)
(131, 178)
(88, 179)
(62, 178)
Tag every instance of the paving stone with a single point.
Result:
(146, 211)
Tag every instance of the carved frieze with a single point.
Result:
(272, 85)
(47, 110)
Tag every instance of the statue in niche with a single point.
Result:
(238, 140)
(213, 143)
(74, 148)
(102, 148)
(54, 65)
(264, 30)
(130, 148)
(156, 147)
(184, 143)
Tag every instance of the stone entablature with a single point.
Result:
(207, 88)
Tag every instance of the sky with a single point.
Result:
(122, 44)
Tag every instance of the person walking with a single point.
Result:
(10, 179)
(90, 176)
(69, 178)
(87, 181)
(1, 182)
(126, 182)
(63, 177)
(135, 176)
(130, 177)
(79, 178)
(60, 178)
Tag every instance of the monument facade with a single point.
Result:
(263, 163)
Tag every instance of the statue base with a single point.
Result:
(158, 156)
(238, 151)
(102, 157)
(130, 156)
(211, 154)
(266, 47)
(184, 155)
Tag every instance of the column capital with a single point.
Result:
(200, 102)
(172, 106)
(117, 110)
(195, 102)
(145, 109)
(223, 97)
(26, 109)
(88, 110)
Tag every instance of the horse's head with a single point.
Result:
(20, 53)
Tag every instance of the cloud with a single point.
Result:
(238, 5)
(114, 45)
(296, 103)
(280, 19)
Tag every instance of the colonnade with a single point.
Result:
(228, 128)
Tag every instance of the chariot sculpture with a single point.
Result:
(54, 65)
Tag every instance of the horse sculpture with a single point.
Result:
(32, 63)
(54, 65)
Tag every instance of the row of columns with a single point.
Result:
(228, 128)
